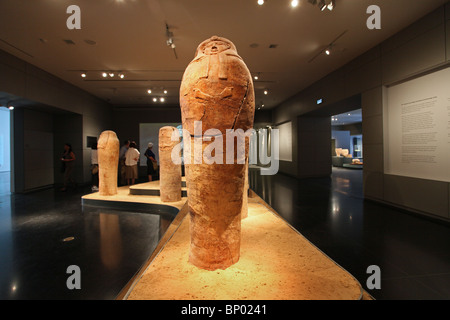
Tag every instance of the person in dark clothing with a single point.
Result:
(68, 160)
(151, 162)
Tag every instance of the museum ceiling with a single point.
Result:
(281, 45)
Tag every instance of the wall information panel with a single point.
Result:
(417, 128)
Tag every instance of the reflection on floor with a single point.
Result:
(109, 245)
(412, 252)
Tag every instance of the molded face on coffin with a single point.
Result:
(218, 88)
(215, 47)
(105, 138)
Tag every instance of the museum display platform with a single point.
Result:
(276, 263)
(152, 188)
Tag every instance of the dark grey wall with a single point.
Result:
(314, 144)
(422, 47)
(24, 80)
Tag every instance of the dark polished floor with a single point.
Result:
(412, 252)
(109, 245)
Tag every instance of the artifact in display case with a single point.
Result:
(216, 95)
(170, 172)
(108, 159)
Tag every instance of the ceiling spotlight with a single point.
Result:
(256, 77)
(322, 5)
(149, 91)
(83, 75)
(121, 75)
(331, 5)
(104, 74)
(266, 92)
(327, 52)
(162, 99)
(155, 100)
(170, 43)
(260, 2)
(165, 91)
(111, 74)
(294, 3)
(11, 108)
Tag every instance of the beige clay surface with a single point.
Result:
(276, 263)
(123, 194)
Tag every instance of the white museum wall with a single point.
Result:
(285, 141)
(5, 140)
(149, 132)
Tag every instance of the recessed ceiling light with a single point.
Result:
(256, 77)
(260, 2)
(331, 5)
(121, 75)
(111, 74)
(149, 91)
(165, 91)
(266, 92)
(83, 75)
(294, 3)
(155, 100)
(162, 99)
(104, 74)
(69, 42)
(90, 42)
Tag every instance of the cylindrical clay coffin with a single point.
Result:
(170, 171)
(216, 89)
(108, 159)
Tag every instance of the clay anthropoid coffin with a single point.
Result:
(216, 89)
(108, 159)
(170, 171)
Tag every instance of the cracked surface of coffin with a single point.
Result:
(216, 89)
(170, 173)
(108, 159)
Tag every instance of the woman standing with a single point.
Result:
(151, 161)
(68, 159)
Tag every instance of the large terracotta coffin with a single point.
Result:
(170, 171)
(108, 160)
(217, 89)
